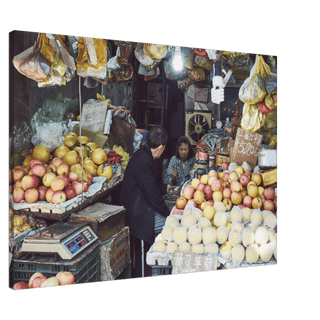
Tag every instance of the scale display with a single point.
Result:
(63, 238)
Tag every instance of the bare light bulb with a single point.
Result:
(177, 59)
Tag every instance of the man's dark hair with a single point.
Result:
(185, 140)
(156, 137)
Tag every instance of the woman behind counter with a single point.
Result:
(181, 163)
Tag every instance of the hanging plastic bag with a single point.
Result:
(31, 62)
(271, 101)
(57, 42)
(155, 51)
(92, 58)
(271, 83)
(252, 119)
(253, 90)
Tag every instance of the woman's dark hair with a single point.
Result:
(156, 137)
(185, 140)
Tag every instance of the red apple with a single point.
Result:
(30, 181)
(57, 183)
(225, 176)
(269, 205)
(34, 161)
(18, 195)
(56, 161)
(42, 193)
(188, 191)
(77, 186)
(247, 201)
(10, 188)
(36, 274)
(244, 179)
(212, 178)
(85, 185)
(63, 168)
(17, 184)
(36, 283)
(52, 168)
(226, 193)
(18, 174)
(211, 202)
(73, 176)
(38, 170)
(20, 285)
(70, 192)
(235, 186)
(200, 186)
(212, 173)
(65, 278)
(216, 185)
(49, 194)
(269, 193)
(181, 202)
(66, 179)
(31, 195)
(207, 190)
(224, 166)
(241, 206)
(275, 203)
(59, 196)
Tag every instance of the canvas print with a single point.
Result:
(131, 159)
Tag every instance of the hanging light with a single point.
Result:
(177, 59)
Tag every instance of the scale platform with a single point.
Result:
(61, 238)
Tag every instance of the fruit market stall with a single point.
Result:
(233, 220)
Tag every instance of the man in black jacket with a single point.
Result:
(142, 197)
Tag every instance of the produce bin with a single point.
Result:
(85, 267)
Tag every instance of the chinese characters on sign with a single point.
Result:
(246, 147)
(184, 262)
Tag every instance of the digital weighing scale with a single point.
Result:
(61, 238)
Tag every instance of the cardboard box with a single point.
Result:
(105, 220)
(115, 255)
(220, 159)
(99, 139)
(269, 177)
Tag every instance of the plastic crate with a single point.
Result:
(161, 270)
(85, 267)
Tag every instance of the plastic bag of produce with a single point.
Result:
(155, 51)
(49, 134)
(31, 63)
(92, 58)
(271, 83)
(253, 90)
(252, 119)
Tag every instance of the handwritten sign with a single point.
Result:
(245, 147)
(93, 116)
(186, 262)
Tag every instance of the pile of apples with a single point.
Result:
(239, 187)
(54, 182)
(39, 280)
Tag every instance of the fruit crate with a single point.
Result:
(161, 270)
(85, 266)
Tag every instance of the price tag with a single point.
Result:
(246, 147)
